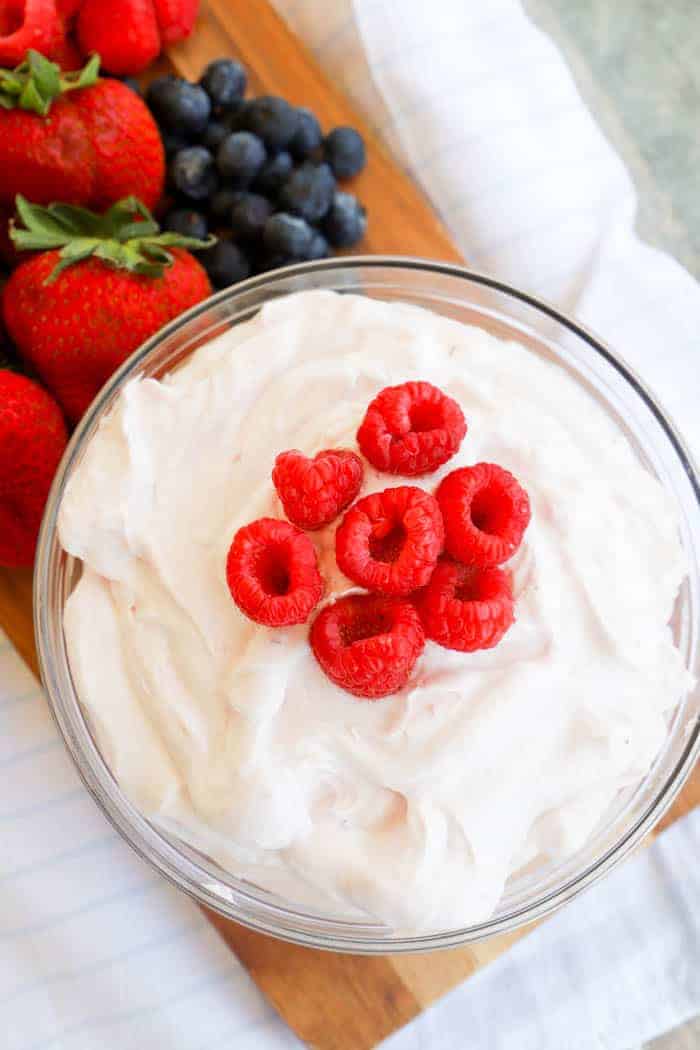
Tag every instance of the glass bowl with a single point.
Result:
(475, 299)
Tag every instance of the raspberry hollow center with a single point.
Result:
(273, 572)
(12, 20)
(361, 628)
(491, 510)
(387, 547)
(468, 589)
(425, 416)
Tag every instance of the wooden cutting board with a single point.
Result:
(333, 1002)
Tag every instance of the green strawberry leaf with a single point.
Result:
(156, 254)
(179, 240)
(85, 77)
(139, 230)
(32, 98)
(71, 254)
(45, 75)
(36, 82)
(125, 237)
(41, 223)
(70, 218)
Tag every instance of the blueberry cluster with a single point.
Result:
(258, 172)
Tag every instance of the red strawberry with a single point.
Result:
(24, 25)
(127, 145)
(176, 18)
(123, 32)
(76, 314)
(74, 138)
(32, 439)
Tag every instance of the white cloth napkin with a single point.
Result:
(617, 967)
(482, 110)
(95, 951)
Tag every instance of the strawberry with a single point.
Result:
(32, 439)
(123, 32)
(24, 25)
(76, 312)
(75, 138)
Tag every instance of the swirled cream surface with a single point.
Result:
(415, 809)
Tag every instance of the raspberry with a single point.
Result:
(272, 573)
(411, 429)
(314, 491)
(485, 512)
(33, 24)
(466, 608)
(390, 542)
(367, 644)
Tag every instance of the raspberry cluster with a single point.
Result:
(429, 563)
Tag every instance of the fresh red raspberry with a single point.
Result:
(124, 33)
(272, 573)
(29, 24)
(176, 19)
(411, 429)
(314, 491)
(466, 608)
(485, 512)
(390, 542)
(367, 643)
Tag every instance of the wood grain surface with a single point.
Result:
(333, 1002)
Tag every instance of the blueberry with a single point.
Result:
(319, 248)
(272, 119)
(224, 82)
(159, 90)
(188, 222)
(287, 235)
(274, 173)
(308, 136)
(241, 155)
(222, 202)
(345, 152)
(308, 191)
(133, 84)
(274, 262)
(249, 215)
(236, 119)
(179, 106)
(225, 263)
(172, 142)
(346, 221)
(193, 173)
(214, 134)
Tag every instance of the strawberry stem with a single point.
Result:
(35, 83)
(126, 237)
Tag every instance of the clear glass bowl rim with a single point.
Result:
(103, 788)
